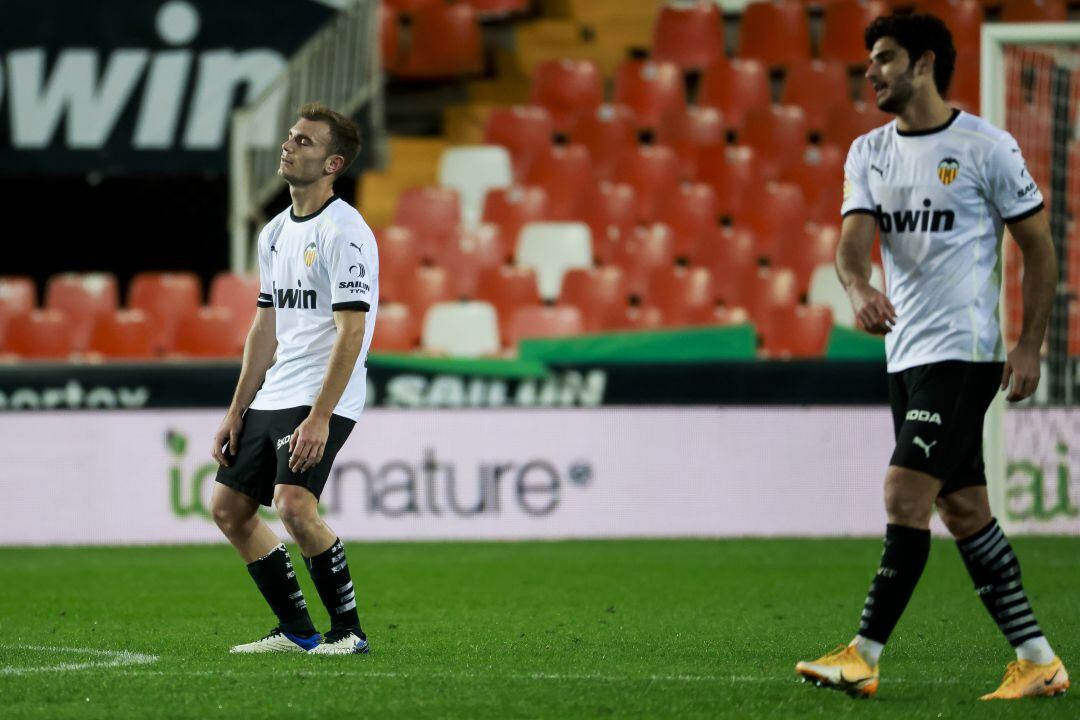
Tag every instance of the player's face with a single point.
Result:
(891, 75)
(305, 154)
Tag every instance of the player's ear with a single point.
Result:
(925, 64)
(334, 164)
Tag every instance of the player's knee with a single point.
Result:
(229, 519)
(297, 512)
(962, 520)
(906, 505)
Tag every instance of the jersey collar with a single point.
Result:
(930, 131)
(305, 218)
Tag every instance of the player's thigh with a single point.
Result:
(252, 470)
(230, 506)
(314, 478)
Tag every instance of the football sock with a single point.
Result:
(994, 568)
(274, 576)
(869, 649)
(330, 572)
(902, 563)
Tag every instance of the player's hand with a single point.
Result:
(307, 443)
(873, 311)
(1022, 366)
(229, 432)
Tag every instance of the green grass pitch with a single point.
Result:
(643, 629)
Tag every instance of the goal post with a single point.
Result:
(1030, 86)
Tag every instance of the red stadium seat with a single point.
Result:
(166, 298)
(596, 292)
(511, 208)
(653, 172)
(126, 335)
(396, 330)
(1034, 11)
(610, 211)
(494, 9)
(83, 298)
(408, 7)
(508, 288)
(799, 331)
(427, 286)
(18, 295)
(776, 32)
(691, 36)
(446, 42)
(565, 173)
(543, 322)
(652, 89)
(734, 87)
(733, 173)
(431, 213)
(238, 293)
(689, 132)
(717, 315)
(471, 252)
(731, 257)
(849, 123)
(524, 130)
(804, 252)
(842, 31)
(690, 213)
(607, 133)
(769, 288)
(963, 18)
(568, 89)
(820, 176)
(778, 134)
(635, 317)
(647, 249)
(818, 87)
(39, 335)
(964, 88)
(208, 332)
(680, 291)
(774, 213)
(400, 253)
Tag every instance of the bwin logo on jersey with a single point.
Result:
(296, 298)
(923, 416)
(910, 221)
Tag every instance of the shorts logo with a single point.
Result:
(947, 170)
(918, 441)
(309, 254)
(282, 442)
(923, 416)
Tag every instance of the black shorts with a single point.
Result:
(262, 459)
(938, 411)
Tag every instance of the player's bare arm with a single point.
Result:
(259, 352)
(872, 309)
(308, 442)
(1032, 234)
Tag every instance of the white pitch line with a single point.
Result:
(113, 659)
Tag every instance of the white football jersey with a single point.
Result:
(941, 198)
(308, 268)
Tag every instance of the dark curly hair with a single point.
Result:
(918, 34)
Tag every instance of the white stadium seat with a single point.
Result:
(552, 248)
(461, 329)
(472, 170)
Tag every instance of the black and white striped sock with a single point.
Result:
(274, 576)
(330, 572)
(902, 563)
(995, 569)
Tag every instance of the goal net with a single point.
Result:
(1030, 85)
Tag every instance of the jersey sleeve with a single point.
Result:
(857, 198)
(351, 269)
(266, 280)
(1010, 186)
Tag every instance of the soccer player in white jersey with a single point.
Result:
(941, 185)
(301, 388)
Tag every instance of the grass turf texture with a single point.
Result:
(500, 630)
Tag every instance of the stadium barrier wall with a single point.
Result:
(137, 477)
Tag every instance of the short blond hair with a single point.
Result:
(344, 133)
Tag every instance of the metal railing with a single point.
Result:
(339, 67)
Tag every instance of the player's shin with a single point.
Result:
(276, 579)
(330, 573)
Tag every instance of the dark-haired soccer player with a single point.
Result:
(319, 293)
(941, 185)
